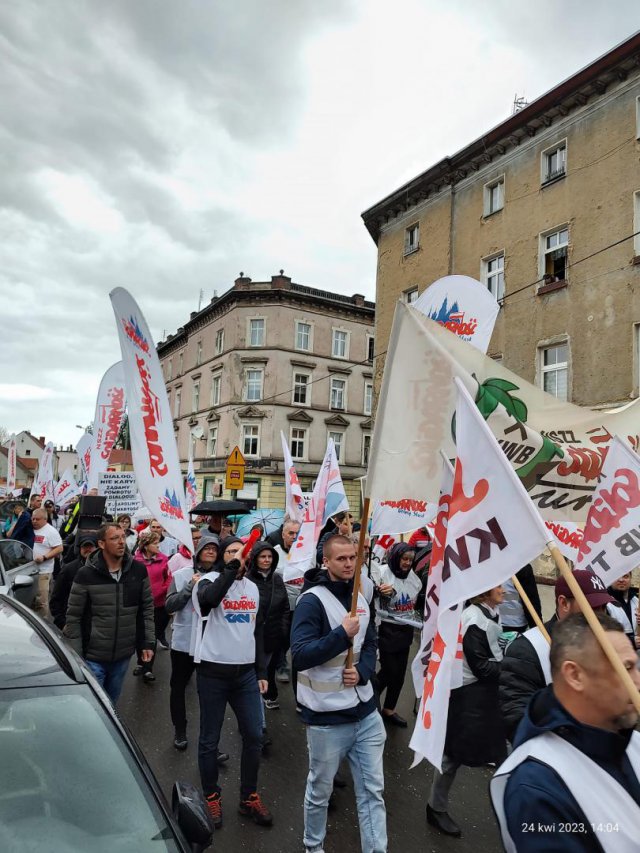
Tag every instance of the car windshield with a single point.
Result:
(68, 782)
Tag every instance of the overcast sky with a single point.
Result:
(165, 145)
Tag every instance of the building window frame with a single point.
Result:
(177, 402)
(195, 396)
(365, 449)
(298, 385)
(338, 394)
(250, 440)
(554, 368)
(371, 348)
(492, 275)
(216, 385)
(169, 370)
(255, 341)
(549, 254)
(367, 406)
(297, 339)
(198, 353)
(340, 351)
(338, 434)
(300, 438)
(212, 442)
(553, 162)
(493, 193)
(181, 363)
(219, 341)
(253, 384)
(636, 223)
(411, 295)
(411, 238)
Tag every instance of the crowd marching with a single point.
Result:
(542, 715)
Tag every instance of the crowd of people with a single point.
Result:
(541, 714)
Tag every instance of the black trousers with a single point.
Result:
(161, 620)
(393, 668)
(182, 668)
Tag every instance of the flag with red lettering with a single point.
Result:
(568, 536)
(401, 516)
(12, 466)
(190, 481)
(107, 421)
(611, 539)
(83, 449)
(66, 489)
(43, 484)
(294, 500)
(153, 445)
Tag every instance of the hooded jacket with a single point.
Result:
(313, 643)
(108, 620)
(535, 794)
(274, 601)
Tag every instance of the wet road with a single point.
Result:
(145, 709)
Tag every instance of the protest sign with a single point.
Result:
(121, 491)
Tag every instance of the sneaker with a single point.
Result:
(149, 678)
(214, 807)
(254, 808)
(222, 757)
(266, 740)
(138, 670)
(282, 675)
(272, 704)
(180, 741)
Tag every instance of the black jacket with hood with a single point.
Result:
(108, 620)
(274, 601)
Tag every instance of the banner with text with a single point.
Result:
(108, 419)
(12, 465)
(294, 503)
(43, 484)
(121, 491)
(403, 516)
(67, 489)
(83, 449)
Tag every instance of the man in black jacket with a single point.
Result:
(110, 611)
(87, 544)
(525, 667)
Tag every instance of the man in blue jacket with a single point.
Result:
(338, 702)
(573, 780)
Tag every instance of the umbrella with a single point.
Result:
(270, 519)
(218, 507)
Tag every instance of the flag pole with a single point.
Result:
(532, 611)
(364, 521)
(596, 627)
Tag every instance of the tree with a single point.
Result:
(123, 441)
(5, 435)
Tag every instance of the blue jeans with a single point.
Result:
(362, 743)
(110, 675)
(242, 693)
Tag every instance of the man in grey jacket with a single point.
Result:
(110, 611)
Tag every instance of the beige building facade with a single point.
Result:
(267, 357)
(543, 210)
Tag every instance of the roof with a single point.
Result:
(572, 93)
(27, 462)
(121, 457)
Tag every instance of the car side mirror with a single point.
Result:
(190, 811)
(22, 582)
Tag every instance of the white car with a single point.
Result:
(18, 572)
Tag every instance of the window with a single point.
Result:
(301, 389)
(554, 162)
(636, 223)
(340, 344)
(219, 341)
(250, 439)
(198, 353)
(554, 248)
(256, 333)
(638, 118)
(493, 276)
(371, 342)
(410, 296)
(303, 336)
(170, 369)
(176, 403)
(180, 363)
(212, 441)
(337, 440)
(555, 370)
(494, 196)
(338, 394)
(253, 385)
(366, 448)
(412, 238)
(215, 389)
(368, 398)
(298, 442)
(195, 397)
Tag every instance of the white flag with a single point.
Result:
(402, 516)
(611, 539)
(294, 500)
(568, 536)
(83, 449)
(43, 484)
(107, 421)
(12, 465)
(190, 482)
(66, 489)
(153, 445)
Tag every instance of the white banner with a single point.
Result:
(556, 448)
(191, 490)
(67, 489)
(83, 449)
(121, 491)
(107, 421)
(153, 443)
(294, 502)
(43, 484)
(463, 306)
(12, 465)
(402, 516)
(568, 536)
(611, 540)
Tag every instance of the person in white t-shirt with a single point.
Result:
(46, 547)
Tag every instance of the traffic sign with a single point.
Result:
(235, 477)
(235, 457)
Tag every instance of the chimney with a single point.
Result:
(193, 314)
(358, 299)
(281, 281)
(242, 282)
(42, 439)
